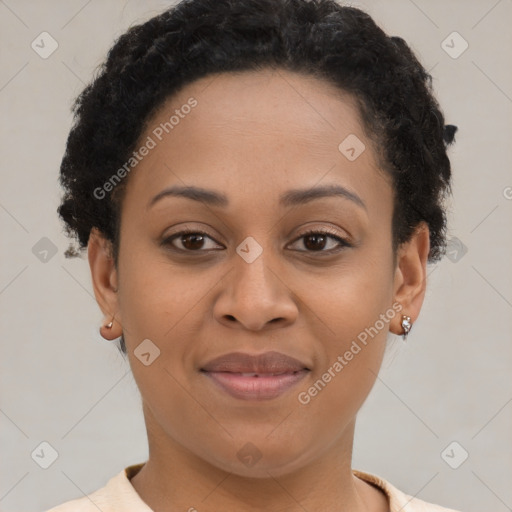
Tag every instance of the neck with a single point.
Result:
(175, 479)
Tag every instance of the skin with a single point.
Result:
(253, 136)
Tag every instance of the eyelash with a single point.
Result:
(343, 242)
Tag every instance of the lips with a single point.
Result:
(260, 377)
(263, 364)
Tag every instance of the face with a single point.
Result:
(247, 277)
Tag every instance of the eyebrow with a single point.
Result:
(290, 198)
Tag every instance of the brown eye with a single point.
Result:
(191, 241)
(317, 241)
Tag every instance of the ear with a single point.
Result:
(104, 280)
(411, 276)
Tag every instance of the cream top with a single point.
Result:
(119, 495)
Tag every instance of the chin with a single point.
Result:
(262, 461)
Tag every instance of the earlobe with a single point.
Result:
(104, 280)
(111, 330)
(410, 277)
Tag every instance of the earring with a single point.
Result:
(406, 325)
(110, 324)
(106, 327)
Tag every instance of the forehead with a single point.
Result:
(258, 132)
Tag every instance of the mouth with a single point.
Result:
(255, 386)
(260, 377)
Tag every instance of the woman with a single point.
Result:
(259, 187)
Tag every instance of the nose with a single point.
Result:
(254, 296)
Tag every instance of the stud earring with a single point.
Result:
(406, 326)
(110, 324)
(106, 327)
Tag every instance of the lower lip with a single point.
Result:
(262, 387)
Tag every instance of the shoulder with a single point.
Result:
(101, 499)
(117, 494)
(89, 503)
(399, 501)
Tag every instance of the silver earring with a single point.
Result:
(406, 326)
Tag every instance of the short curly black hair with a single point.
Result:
(339, 44)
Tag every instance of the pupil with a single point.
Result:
(195, 239)
(316, 239)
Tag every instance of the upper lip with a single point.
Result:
(268, 362)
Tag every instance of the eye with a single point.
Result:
(190, 240)
(316, 240)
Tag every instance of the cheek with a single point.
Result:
(351, 352)
(355, 315)
(155, 294)
(351, 298)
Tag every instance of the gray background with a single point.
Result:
(63, 384)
